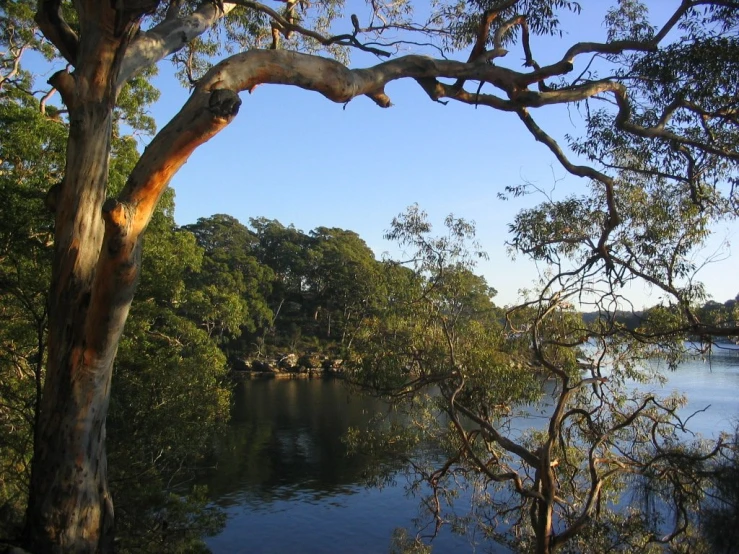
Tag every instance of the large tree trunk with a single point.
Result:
(96, 266)
(70, 509)
(70, 505)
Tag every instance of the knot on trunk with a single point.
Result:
(114, 213)
(52, 197)
(224, 102)
(64, 82)
(116, 217)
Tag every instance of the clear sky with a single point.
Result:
(294, 156)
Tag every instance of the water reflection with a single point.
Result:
(286, 440)
(288, 485)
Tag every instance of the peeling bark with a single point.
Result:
(168, 37)
(96, 268)
(70, 508)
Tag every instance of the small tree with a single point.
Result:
(32, 150)
(341, 281)
(465, 381)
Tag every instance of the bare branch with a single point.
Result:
(500, 34)
(624, 122)
(483, 32)
(55, 28)
(63, 81)
(44, 99)
(565, 65)
(582, 171)
(205, 114)
(17, 55)
(284, 25)
(514, 448)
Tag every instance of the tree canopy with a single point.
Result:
(466, 373)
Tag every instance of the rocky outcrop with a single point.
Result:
(310, 360)
(264, 366)
(334, 365)
(288, 365)
(288, 362)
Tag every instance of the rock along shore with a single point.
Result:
(288, 366)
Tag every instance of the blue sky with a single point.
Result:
(294, 156)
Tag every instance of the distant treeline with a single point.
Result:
(631, 320)
(268, 286)
(717, 314)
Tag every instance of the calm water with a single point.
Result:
(287, 484)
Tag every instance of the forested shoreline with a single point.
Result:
(215, 296)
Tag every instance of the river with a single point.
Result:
(287, 484)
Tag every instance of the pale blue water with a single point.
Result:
(287, 484)
(709, 382)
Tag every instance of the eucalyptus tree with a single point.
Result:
(285, 251)
(163, 364)
(164, 360)
(531, 416)
(229, 293)
(167, 369)
(656, 107)
(32, 154)
(342, 281)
